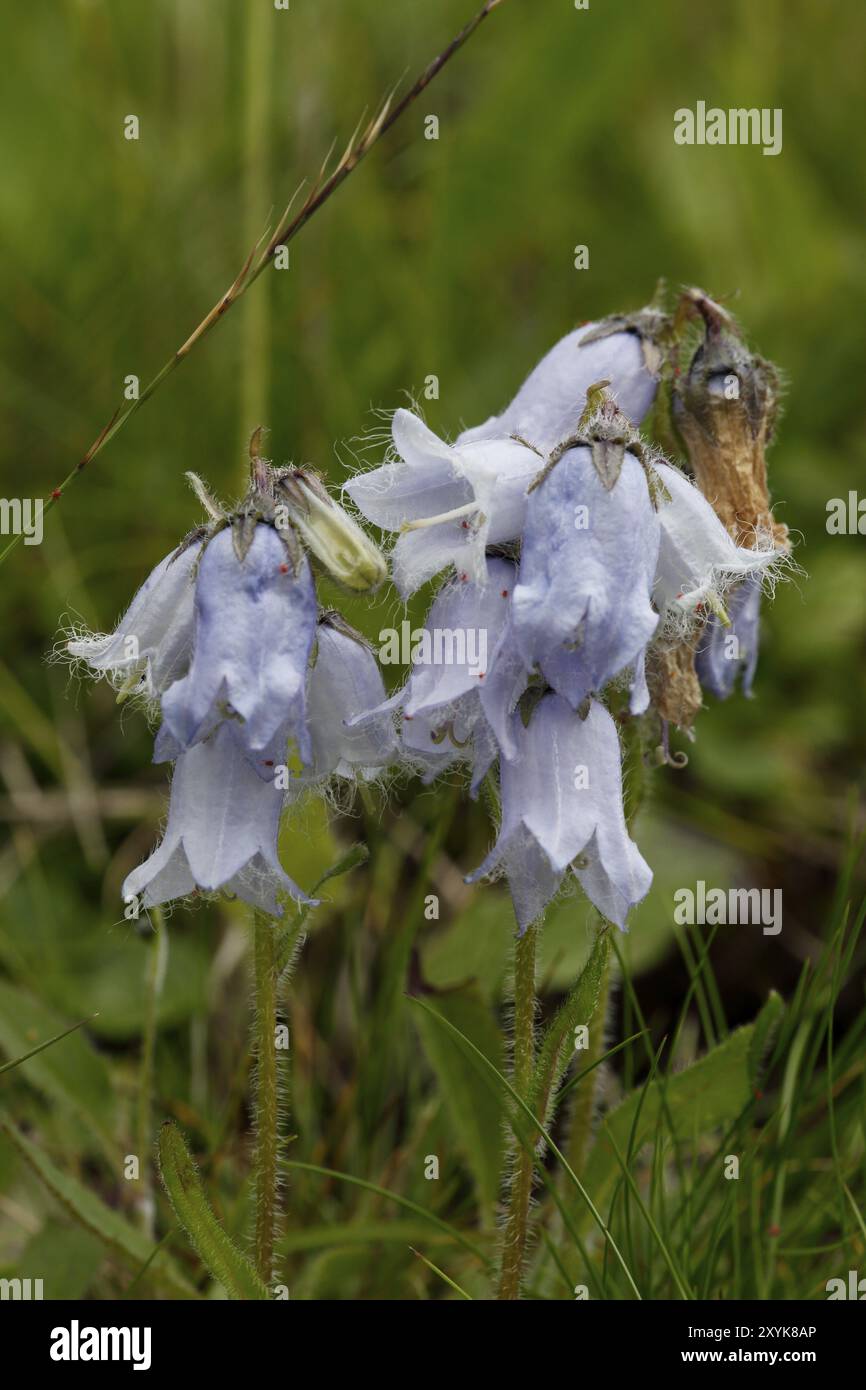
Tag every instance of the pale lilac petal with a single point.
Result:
(485, 749)
(419, 555)
(548, 406)
(639, 695)
(532, 880)
(255, 625)
(423, 483)
(467, 676)
(426, 746)
(728, 652)
(564, 794)
(344, 683)
(614, 876)
(581, 608)
(155, 634)
(435, 740)
(225, 814)
(485, 484)
(162, 877)
(697, 556)
(544, 789)
(500, 495)
(262, 883)
(501, 690)
(222, 831)
(461, 637)
(458, 703)
(500, 471)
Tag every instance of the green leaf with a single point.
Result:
(66, 1258)
(227, 1265)
(693, 1102)
(766, 1026)
(92, 1213)
(557, 1043)
(473, 1105)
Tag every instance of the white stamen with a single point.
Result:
(424, 521)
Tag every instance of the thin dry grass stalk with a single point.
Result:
(288, 228)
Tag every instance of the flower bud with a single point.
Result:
(330, 533)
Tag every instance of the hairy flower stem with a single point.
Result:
(581, 1114)
(517, 1219)
(156, 964)
(265, 1093)
(259, 259)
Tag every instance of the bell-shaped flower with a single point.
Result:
(255, 621)
(724, 653)
(582, 610)
(548, 405)
(152, 643)
(698, 560)
(562, 811)
(448, 502)
(222, 831)
(344, 683)
(458, 703)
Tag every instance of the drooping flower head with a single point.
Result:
(222, 832)
(458, 703)
(582, 603)
(726, 653)
(254, 685)
(562, 811)
(590, 560)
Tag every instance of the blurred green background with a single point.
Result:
(451, 257)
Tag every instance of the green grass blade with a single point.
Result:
(441, 1273)
(404, 1202)
(596, 1215)
(58, 1037)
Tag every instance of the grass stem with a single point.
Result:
(259, 259)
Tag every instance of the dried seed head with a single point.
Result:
(673, 682)
(725, 405)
